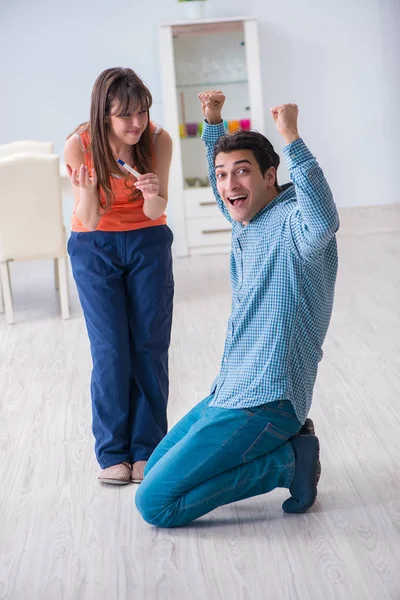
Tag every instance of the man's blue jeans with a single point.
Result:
(215, 456)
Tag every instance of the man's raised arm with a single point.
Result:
(213, 127)
(316, 220)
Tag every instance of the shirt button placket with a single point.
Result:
(239, 265)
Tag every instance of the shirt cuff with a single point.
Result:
(211, 133)
(296, 153)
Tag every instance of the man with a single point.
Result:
(251, 434)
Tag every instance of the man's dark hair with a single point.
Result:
(262, 149)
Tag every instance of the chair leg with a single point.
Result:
(6, 285)
(9, 277)
(63, 283)
(56, 275)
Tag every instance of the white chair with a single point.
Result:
(37, 148)
(31, 222)
(26, 146)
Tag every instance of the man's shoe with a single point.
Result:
(306, 475)
(308, 428)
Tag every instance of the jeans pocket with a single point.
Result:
(69, 244)
(252, 410)
(269, 439)
(73, 237)
(206, 404)
(171, 235)
(276, 409)
(165, 313)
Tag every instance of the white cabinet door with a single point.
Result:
(195, 56)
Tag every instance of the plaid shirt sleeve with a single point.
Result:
(315, 220)
(210, 135)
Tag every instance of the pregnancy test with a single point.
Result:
(128, 168)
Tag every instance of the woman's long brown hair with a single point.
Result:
(122, 90)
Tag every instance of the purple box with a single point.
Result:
(191, 129)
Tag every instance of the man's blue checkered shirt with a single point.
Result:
(283, 271)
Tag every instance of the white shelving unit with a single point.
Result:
(195, 56)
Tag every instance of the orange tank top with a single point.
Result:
(123, 214)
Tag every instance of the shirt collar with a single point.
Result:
(257, 224)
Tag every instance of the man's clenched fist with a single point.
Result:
(212, 102)
(285, 117)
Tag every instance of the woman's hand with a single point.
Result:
(149, 185)
(81, 178)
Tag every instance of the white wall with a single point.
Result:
(339, 62)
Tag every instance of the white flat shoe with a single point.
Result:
(137, 471)
(116, 474)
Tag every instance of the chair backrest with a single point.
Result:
(26, 146)
(31, 220)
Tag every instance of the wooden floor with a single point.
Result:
(64, 536)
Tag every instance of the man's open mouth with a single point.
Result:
(238, 200)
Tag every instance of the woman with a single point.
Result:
(120, 250)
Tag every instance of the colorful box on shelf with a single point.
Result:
(236, 125)
(245, 124)
(192, 129)
(195, 129)
(182, 130)
(233, 126)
